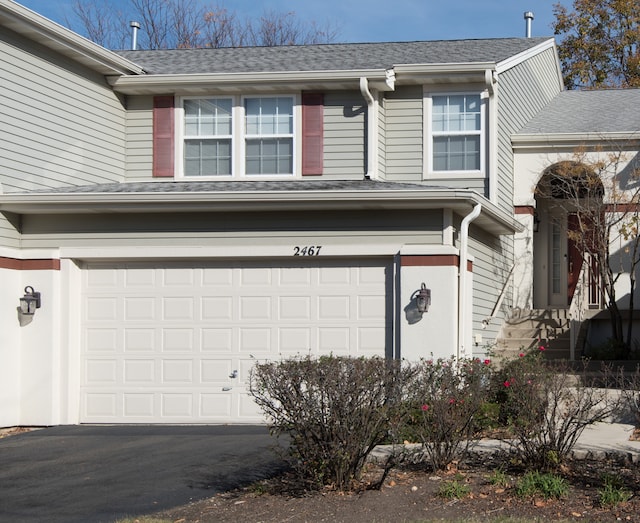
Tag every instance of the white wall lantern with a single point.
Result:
(30, 301)
(423, 299)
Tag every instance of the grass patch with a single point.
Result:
(613, 492)
(454, 489)
(499, 478)
(549, 486)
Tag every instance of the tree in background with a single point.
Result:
(169, 24)
(600, 44)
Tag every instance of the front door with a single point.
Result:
(558, 278)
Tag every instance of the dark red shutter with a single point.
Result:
(312, 134)
(163, 137)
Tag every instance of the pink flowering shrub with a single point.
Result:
(546, 406)
(450, 395)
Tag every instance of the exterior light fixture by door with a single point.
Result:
(30, 301)
(423, 299)
(536, 222)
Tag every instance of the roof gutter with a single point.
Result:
(380, 79)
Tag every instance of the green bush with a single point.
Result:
(335, 410)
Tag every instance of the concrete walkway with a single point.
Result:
(598, 441)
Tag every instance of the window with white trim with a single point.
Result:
(268, 135)
(208, 137)
(233, 136)
(456, 133)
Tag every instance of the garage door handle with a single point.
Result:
(234, 374)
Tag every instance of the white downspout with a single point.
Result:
(372, 134)
(463, 279)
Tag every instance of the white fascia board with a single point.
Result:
(517, 59)
(551, 140)
(163, 83)
(50, 34)
(461, 201)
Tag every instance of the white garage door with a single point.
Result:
(174, 342)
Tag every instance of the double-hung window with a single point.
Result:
(238, 136)
(456, 133)
(268, 135)
(208, 142)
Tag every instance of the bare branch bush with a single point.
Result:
(447, 397)
(334, 410)
(547, 406)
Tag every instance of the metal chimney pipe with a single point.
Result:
(528, 16)
(134, 34)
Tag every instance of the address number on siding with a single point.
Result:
(307, 250)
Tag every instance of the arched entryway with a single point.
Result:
(564, 190)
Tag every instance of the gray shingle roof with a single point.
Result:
(235, 186)
(603, 111)
(328, 56)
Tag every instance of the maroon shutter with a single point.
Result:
(163, 136)
(312, 133)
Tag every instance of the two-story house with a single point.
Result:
(185, 213)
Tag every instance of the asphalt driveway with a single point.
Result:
(102, 473)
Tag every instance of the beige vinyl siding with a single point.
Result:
(344, 135)
(404, 134)
(522, 91)
(139, 137)
(491, 267)
(172, 230)
(9, 236)
(62, 124)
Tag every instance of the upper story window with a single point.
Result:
(456, 133)
(268, 135)
(208, 135)
(227, 136)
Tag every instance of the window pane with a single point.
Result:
(207, 157)
(269, 156)
(269, 116)
(456, 153)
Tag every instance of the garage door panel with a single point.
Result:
(294, 340)
(140, 340)
(178, 340)
(217, 308)
(216, 371)
(217, 340)
(175, 342)
(139, 405)
(177, 405)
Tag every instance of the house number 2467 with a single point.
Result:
(307, 250)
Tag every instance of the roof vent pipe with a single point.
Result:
(528, 16)
(134, 34)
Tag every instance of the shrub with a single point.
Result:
(547, 407)
(335, 410)
(447, 398)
